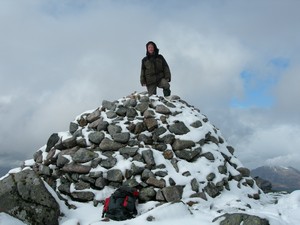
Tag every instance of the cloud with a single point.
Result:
(207, 67)
(287, 92)
(277, 145)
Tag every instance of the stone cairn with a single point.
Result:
(164, 147)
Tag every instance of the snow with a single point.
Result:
(279, 209)
(285, 212)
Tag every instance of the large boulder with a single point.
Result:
(24, 196)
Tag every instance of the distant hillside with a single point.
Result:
(282, 178)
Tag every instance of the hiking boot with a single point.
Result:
(167, 92)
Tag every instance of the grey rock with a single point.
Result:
(160, 147)
(95, 162)
(149, 113)
(81, 142)
(94, 125)
(102, 125)
(121, 111)
(222, 169)
(159, 196)
(64, 188)
(186, 173)
(136, 170)
(212, 190)
(100, 183)
(230, 149)
(53, 139)
(151, 124)
(155, 182)
(144, 98)
(76, 168)
(188, 155)
(113, 129)
(174, 164)
(172, 193)
(108, 162)
(96, 174)
(24, 196)
(195, 185)
(238, 177)
(240, 218)
(147, 194)
(51, 157)
(38, 156)
(83, 155)
(121, 137)
(210, 176)
(157, 132)
(163, 109)
(114, 175)
(130, 151)
(131, 113)
(108, 105)
(96, 137)
(196, 124)
(161, 173)
(69, 142)
(87, 179)
(182, 144)
(82, 196)
(146, 174)
(148, 157)
(73, 127)
(145, 138)
(111, 114)
(139, 128)
(78, 133)
(82, 185)
(130, 103)
(210, 138)
(93, 116)
(244, 171)
(142, 107)
(209, 156)
(179, 128)
(44, 170)
(167, 139)
(131, 183)
(109, 145)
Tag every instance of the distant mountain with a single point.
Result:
(282, 178)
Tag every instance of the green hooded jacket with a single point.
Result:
(154, 67)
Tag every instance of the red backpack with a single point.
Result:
(121, 205)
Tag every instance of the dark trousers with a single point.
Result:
(164, 84)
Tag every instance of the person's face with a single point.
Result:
(150, 48)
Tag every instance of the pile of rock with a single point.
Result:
(165, 148)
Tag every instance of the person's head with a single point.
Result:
(151, 48)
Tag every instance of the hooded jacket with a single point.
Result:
(154, 67)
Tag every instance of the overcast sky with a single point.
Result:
(237, 61)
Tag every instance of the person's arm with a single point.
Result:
(142, 76)
(166, 70)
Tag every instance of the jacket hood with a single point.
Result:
(156, 50)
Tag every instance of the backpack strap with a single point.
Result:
(125, 202)
(105, 207)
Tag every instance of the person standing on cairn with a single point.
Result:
(155, 72)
